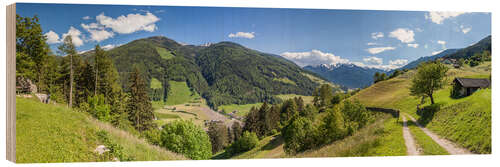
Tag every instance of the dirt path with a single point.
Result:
(449, 146)
(411, 147)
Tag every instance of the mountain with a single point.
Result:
(482, 45)
(348, 75)
(222, 73)
(415, 63)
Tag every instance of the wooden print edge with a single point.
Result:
(11, 82)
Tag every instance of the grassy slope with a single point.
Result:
(382, 138)
(242, 109)
(456, 126)
(180, 93)
(164, 53)
(53, 133)
(307, 99)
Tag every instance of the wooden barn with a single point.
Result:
(467, 86)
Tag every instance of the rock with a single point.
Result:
(101, 149)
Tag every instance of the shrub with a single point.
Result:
(186, 138)
(299, 135)
(97, 107)
(248, 141)
(355, 116)
(153, 136)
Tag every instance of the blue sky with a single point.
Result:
(379, 39)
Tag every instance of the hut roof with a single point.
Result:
(473, 82)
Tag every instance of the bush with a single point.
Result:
(248, 141)
(98, 108)
(153, 136)
(355, 116)
(299, 135)
(186, 138)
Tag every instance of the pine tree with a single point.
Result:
(68, 49)
(139, 106)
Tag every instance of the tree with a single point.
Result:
(323, 96)
(32, 48)
(237, 131)
(247, 142)
(299, 135)
(186, 138)
(106, 75)
(68, 49)
(139, 107)
(429, 78)
(218, 136)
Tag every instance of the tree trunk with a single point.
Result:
(71, 83)
(96, 73)
(432, 99)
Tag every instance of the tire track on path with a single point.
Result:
(411, 146)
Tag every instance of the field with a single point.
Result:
(307, 99)
(180, 93)
(241, 109)
(53, 133)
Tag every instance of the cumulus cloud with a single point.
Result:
(371, 43)
(403, 34)
(248, 35)
(314, 57)
(97, 32)
(75, 36)
(129, 23)
(398, 62)
(413, 45)
(377, 35)
(52, 37)
(378, 50)
(439, 17)
(442, 43)
(373, 60)
(464, 29)
(86, 18)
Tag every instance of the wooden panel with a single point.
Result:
(11, 82)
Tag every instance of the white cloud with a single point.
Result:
(377, 35)
(398, 62)
(419, 30)
(437, 52)
(248, 35)
(379, 49)
(97, 32)
(52, 37)
(442, 43)
(108, 46)
(373, 60)
(413, 45)
(314, 57)
(403, 34)
(371, 43)
(75, 36)
(385, 67)
(439, 17)
(86, 18)
(464, 29)
(130, 23)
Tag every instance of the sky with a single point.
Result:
(368, 38)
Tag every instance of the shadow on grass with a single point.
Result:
(427, 114)
(275, 142)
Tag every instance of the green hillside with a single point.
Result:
(180, 93)
(53, 133)
(222, 73)
(466, 121)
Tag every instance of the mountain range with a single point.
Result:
(347, 75)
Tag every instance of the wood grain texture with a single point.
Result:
(11, 82)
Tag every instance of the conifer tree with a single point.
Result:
(68, 49)
(139, 106)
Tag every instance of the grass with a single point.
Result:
(381, 138)
(242, 109)
(428, 146)
(268, 147)
(164, 53)
(54, 133)
(307, 99)
(155, 84)
(285, 80)
(180, 93)
(465, 121)
(166, 116)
